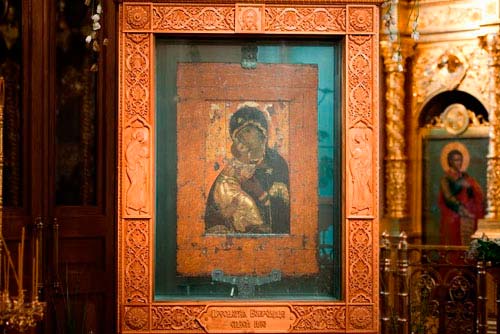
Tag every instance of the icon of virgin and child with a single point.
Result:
(251, 193)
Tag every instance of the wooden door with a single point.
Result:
(61, 156)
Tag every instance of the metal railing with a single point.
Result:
(430, 289)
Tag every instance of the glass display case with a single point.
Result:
(248, 167)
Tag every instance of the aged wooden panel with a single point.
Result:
(358, 25)
(209, 95)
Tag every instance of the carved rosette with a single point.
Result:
(137, 76)
(137, 256)
(320, 318)
(136, 318)
(493, 163)
(361, 282)
(176, 317)
(360, 317)
(305, 19)
(360, 19)
(137, 17)
(168, 18)
(395, 160)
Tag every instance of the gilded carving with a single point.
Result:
(395, 172)
(320, 318)
(360, 76)
(136, 75)
(448, 18)
(395, 193)
(361, 285)
(461, 67)
(136, 318)
(137, 158)
(361, 317)
(137, 17)
(360, 19)
(176, 317)
(493, 159)
(359, 169)
(493, 186)
(137, 261)
(459, 118)
(193, 18)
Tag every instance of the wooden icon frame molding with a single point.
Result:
(354, 21)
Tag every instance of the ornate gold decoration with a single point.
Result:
(456, 119)
(438, 18)
(448, 121)
(136, 318)
(395, 160)
(492, 44)
(462, 66)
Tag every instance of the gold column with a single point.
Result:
(2, 103)
(490, 226)
(395, 159)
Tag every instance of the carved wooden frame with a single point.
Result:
(358, 25)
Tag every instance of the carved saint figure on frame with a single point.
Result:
(359, 167)
(137, 157)
(251, 193)
(460, 197)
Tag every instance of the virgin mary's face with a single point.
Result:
(255, 143)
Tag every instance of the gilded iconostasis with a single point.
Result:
(440, 62)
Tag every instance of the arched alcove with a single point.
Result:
(437, 104)
(451, 121)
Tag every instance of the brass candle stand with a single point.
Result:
(18, 313)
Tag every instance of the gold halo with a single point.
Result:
(455, 145)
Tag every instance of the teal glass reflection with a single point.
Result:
(326, 55)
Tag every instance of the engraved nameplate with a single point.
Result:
(244, 319)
